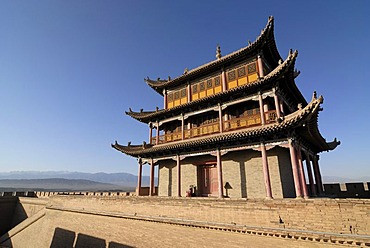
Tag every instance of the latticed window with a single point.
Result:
(183, 93)
(252, 68)
(231, 75)
(217, 81)
(177, 95)
(195, 88)
(170, 97)
(241, 72)
(209, 83)
(202, 86)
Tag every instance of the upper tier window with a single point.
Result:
(242, 75)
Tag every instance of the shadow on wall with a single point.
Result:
(65, 238)
(7, 208)
(19, 214)
(11, 213)
(5, 241)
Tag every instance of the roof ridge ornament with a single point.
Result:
(314, 95)
(218, 52)
(296, 73)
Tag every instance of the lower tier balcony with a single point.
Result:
(212, 128)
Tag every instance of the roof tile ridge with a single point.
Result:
(265, 31)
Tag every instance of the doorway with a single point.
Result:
(208, 180)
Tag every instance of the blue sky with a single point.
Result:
(69, 70)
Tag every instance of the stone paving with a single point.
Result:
(149, 234)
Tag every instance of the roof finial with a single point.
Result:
(314, 96)
(218, 52)
(249, 42)
(186, 70)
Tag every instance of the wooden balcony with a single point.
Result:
(229, 125)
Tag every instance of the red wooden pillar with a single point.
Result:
(151, 185)
(164, 98)
(260, 66)
(293, 159)
(301, 174)
(139, 176)
(317, 173)
(188, 88)
(277, 104)
(220, 118)
(219, 174)
(182, 127)
(157, 139)
(282, 108)
(178, 176)
(260, 101)
(150, 133)
(266, 173)
(310, 177)
(224, 83)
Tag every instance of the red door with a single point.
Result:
(208, 180)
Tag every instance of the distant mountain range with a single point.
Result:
(58, 184)
(64, 180)
(69, 180)
(332, 179)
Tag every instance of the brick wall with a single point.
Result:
(62, 219)
(327, 215)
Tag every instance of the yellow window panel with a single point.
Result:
(218, 89)
(184, 100)
(251, 122)
(195, 97)
(232, 84)
(252, 77)
(202, 94)
(170, 105)
(216, 128)
(209, 92)
(243, 123)
(177, 103)
(242, 81)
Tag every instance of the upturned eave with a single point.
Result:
(266, 38)
(295, 120)
(279, 71)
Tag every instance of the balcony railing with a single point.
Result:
(229, 125)
(202, 130)
(241, 122)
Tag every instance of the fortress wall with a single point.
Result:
(96, 225)
(7, 207)
(27, 207)
(346, 216)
